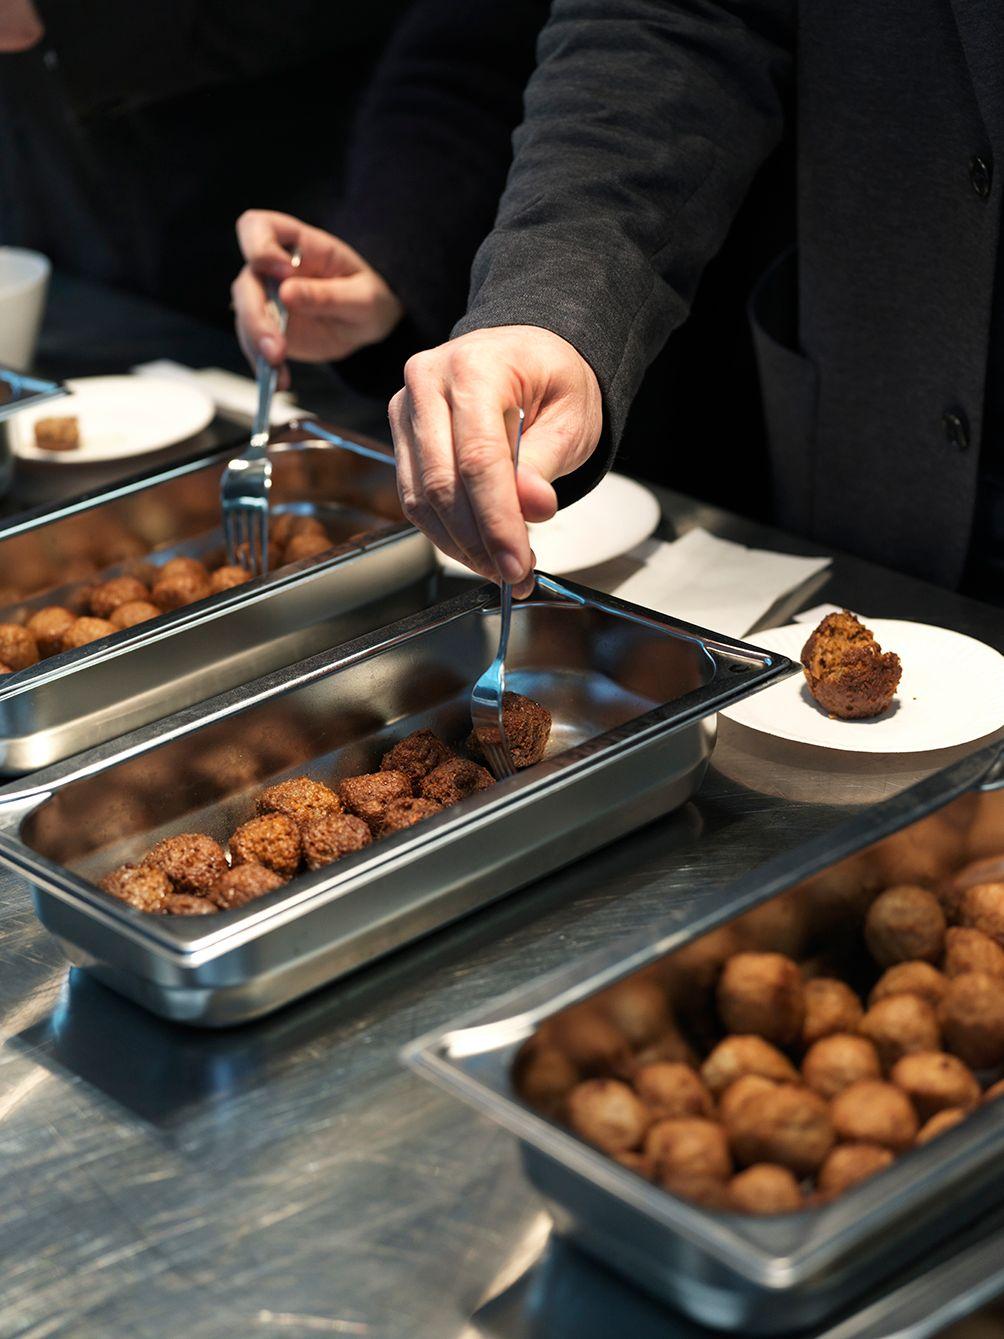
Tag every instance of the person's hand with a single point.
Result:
(337, 303)
(20, 25)
(454, 460)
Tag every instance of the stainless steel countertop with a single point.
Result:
(289, 1178)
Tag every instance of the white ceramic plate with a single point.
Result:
(118, 417)
(951, 692)
(618, 514)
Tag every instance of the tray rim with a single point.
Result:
(192, 942)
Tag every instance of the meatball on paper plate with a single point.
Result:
(950, 690)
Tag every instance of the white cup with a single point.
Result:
(24, 280)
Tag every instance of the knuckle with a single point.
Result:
(418, 367)
(439, 489)
(476, 456)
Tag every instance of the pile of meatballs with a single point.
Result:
(305, 824)
(777, 1061)
(124, 601)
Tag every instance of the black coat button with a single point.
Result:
(981, 176)
(956, 429)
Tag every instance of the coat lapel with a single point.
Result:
(981, 29)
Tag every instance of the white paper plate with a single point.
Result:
(952, 692)
(119, 417)
(618, 514)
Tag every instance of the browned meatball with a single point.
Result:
(189, 568)
(934, 1081)
(272, 840)
(49, 626)
(982, 908)
(227, 577)
(710, 1192)
(900, 1025)
(636, 1161)
(173, 592)
(905, 924)
(779, 925)
(925, 854)
(142, 886)
(995, 1091)
(5, 669)
(638, 1006)
(972, 1018)
(841, 893)
(911, 978)
(544, 1077)
(830, 1006)
(689, 1146)
(18, 647)
(693, 970)
(670, 1045)
(849, 1164)
(416, 755)
(941, 1123)
(367, 796)
(136, 611)
(763, 994)
(847, 672)
(86, 630)
(453, 781)
(672, 1090)
(300, 798)
(328, 838)
(186, 904)
(192, 861)
(834, 1063)
(751, 1087)
(873, 1112)
(306, 546)
(527, 728)
(243, 884)
(605, 1112)
(986, 834)
(405, 813)
(787, 1125)
(737, 1056)
(972, 951)
(765, 1188)
(286, 525)
(107, 597)
(589, 1040)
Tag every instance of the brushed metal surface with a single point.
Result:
(288, 1179)
(377, 570)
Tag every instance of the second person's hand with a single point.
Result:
(454, 459)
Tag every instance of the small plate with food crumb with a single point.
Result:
(110, 418)
(878, 686)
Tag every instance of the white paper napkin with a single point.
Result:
(701, 579)
(235, 396)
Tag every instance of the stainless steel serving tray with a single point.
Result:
(730, 1271)
(376, 572)
(633, 696)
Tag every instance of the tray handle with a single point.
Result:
(312, 428)
(994, 777)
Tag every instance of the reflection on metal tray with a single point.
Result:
(633, 697)
(732, 1271)
(377, 570)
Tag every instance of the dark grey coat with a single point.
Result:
(646, 122)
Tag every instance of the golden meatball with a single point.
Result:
(972, 951)
(841, 894)
(710, 1192)
(934, 1081)
(972, 1018)
(188, 568)
(986, 835)
(107, 597)
(49, 626)
(18, 647)
(605, 1112)
(670, 1090)
(227, 577)
(905, 924)
(750, 1087)
(544, 1077)
(83, 631)
(873, 1112)
(737, 1056)
(765, 1188)
(834, 1063)
(672, 1046)
(689, 1146)
(982, 908)
(787, 1125)
(591, 1041)
(638, 1006)
(306, 546)
(899, 1025)
(925, 853)
(174, 592)
(830, 1007)
(941, 1123)
(133, 613)
(693, 970)
(849, 1164)
(762, 994)
(911, 978)
(777, 926)
(636, 1161)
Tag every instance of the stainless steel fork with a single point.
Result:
(247, 479)
(488, 692)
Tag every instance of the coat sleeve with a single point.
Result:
(646, 121)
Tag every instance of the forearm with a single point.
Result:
(645, 124)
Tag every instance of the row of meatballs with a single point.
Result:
(125, 601)
(744, 1080)
(303, 823)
